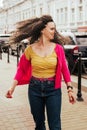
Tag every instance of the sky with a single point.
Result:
(1, 3)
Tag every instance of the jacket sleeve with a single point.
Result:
(65, 69)
(23, 72)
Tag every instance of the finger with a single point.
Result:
(72, 100)
(9, 95)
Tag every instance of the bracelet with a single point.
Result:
(69, 87)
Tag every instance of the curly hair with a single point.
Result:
(32, 28)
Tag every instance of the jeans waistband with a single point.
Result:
(44, 79)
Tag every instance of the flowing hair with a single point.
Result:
(32, 28)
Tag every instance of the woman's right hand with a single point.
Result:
(11, 90)
(9, 93)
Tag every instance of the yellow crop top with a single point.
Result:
(42, 67)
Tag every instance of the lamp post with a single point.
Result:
(8, 55)
(17, 53)
(0, 52)
(79, 94)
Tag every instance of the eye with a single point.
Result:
(53, 28)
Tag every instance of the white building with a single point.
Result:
(68, 15)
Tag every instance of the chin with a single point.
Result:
(52, 40)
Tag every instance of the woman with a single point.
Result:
(41, 66)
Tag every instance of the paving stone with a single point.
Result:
(15, 113)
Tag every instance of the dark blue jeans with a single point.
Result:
(43, 94)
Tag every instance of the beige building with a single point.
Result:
(69, 15)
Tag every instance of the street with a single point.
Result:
(15, 112)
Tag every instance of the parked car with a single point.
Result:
(78, 44)
(4, 42)
(14, 48)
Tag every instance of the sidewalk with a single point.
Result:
(15, 113)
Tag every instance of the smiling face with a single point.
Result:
(49, 31)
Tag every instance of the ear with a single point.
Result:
(42, 32)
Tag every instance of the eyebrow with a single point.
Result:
(50, 27)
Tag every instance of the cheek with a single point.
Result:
(53, 31)
(47, 33)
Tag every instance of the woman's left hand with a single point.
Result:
(71, 97)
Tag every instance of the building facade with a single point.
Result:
(69, 15)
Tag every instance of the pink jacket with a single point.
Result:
(24, 69)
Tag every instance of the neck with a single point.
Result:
(44, 41)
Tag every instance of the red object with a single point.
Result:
(24, 70)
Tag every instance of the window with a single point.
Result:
(66, 15)
(80, 1)
(41, 10)
(34, 12)
(72, 15)
(48, 8)
(82, 40)
(58, 17)
(62, 16)
(80, 13)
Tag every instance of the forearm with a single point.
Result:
(11, 90)
(14, 84)
(68, 84)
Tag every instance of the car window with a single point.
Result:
(4, 37)
(71, 36)
(81, 40)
